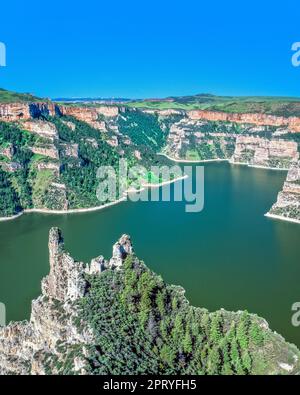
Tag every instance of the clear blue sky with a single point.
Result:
(150, 48)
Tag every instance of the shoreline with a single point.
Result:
(222, 160)
(91, 209)
(193, 161)
(257, 166)
(3, 219)
(165, 182)
(282, 218)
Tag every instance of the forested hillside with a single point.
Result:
(118, 317)
(51, 162)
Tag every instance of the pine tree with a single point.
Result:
(187, 341)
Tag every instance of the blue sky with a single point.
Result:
(150, 48)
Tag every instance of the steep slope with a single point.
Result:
(50, 153)
(49, 156)
(288, 202)
(118, 317)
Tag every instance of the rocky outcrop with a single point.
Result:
(7, 151)
(42, 128)
(27, 111)
(49, 150)
(191, 139)
(258, 151)
(55, 166)
(24, 111)
(197, 140)
(66, 279)
(121, 250)
(70, 150)
(70, 125)
(165, 113)
(14, 112)
(113, 141)
(93, 114)
(89, 115)
(292, 123)
(287, 205)
(62, 335)
(27, 347)
(10, 166)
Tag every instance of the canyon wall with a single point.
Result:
(66, 334)
(35, 347)
(92, 115)
(16, 111)
(287, 205)
(258, 151)
(292, 123)
(253, 145)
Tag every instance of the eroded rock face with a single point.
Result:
(57, 339)
(49, 150)
(85, 114)
(91, 115)
(293, 123)
(121, 250)
(41, 128)
(25, 346)
(26, 111)
(200, 137)
(55, 166)
(66, 279)
(10, 166)
(14, 112)
(288, 200)
(70, 125)
(258, 151)
(7, 151)
(70, 150)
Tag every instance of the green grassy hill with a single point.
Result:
(281, 106)
(14, 97)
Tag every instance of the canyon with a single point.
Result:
(292, 123)
(19, 111)
(25, 346)
(63, 336)
(258, 140)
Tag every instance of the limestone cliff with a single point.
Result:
(17, 111)
(258, 151)
(28, 347)
(292, 123)
(69, 142)
(288, 201)
(191, 139)
(92, 115)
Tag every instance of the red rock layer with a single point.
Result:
(292, 123)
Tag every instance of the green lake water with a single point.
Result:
(229, 255)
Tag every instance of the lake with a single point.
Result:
(229, 255)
